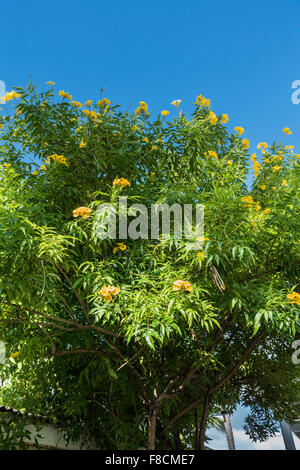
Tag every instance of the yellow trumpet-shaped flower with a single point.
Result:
(287, 130)
(294, 298)
(239, 130)
(83, 212)
(121, 182)
(225, 118)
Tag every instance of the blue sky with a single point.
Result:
(241, 55)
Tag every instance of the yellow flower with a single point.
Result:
(142, 109)
(287, 130)
(225, 118)
(7, 165)
(43, 167)
(294, 298)
(201, 101)
(201, 255)
(108, 291)
(249, 201)
(239, 130)
(256, 167)
(262, 186)
(82, 144)
(1, 126)
(290, 147)
(63, 94)
(229, 162)
(34, 173)
(83, 212)
(77, 104)
(153, 147)
(88, 103)
(120, 246)
(10, 95)
(103, 102)
(165, 113)
(135, 128)
(50, 83)
(145, 139)
(179, 284)
(284, 183)
(245, 143)
(58, 159)
(276, 168)
(212, 118)
(262, 145)
(13, 355)
(202, 239)
(212, 154)
(121, 182)
(176, 103)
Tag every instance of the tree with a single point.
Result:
(141, 342)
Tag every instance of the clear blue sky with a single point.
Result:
(242, 55)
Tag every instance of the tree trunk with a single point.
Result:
(152, 428)
(196, 430)
(204, 417)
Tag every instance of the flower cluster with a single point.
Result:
(212, 154)
(224, 118)
(58, 159)
(63, 94)
(90, 114)
(121, 182)
(103, 102)
(245, 143)
(256, 165)
(83, 212)
(239, 130)
(287, 130)
(108, 291)
(249, 202)
(294, 298)
(120, 246)
(262, 145)
(142, 109)
(182, 285)
(10, 95)
(176, 103)
(165, 113)
(212, 118)
(201, 101)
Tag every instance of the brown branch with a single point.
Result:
(77, 325)
(49, 317)
(244, 356)
(74, 351)
(131, 359)
(27, 322)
